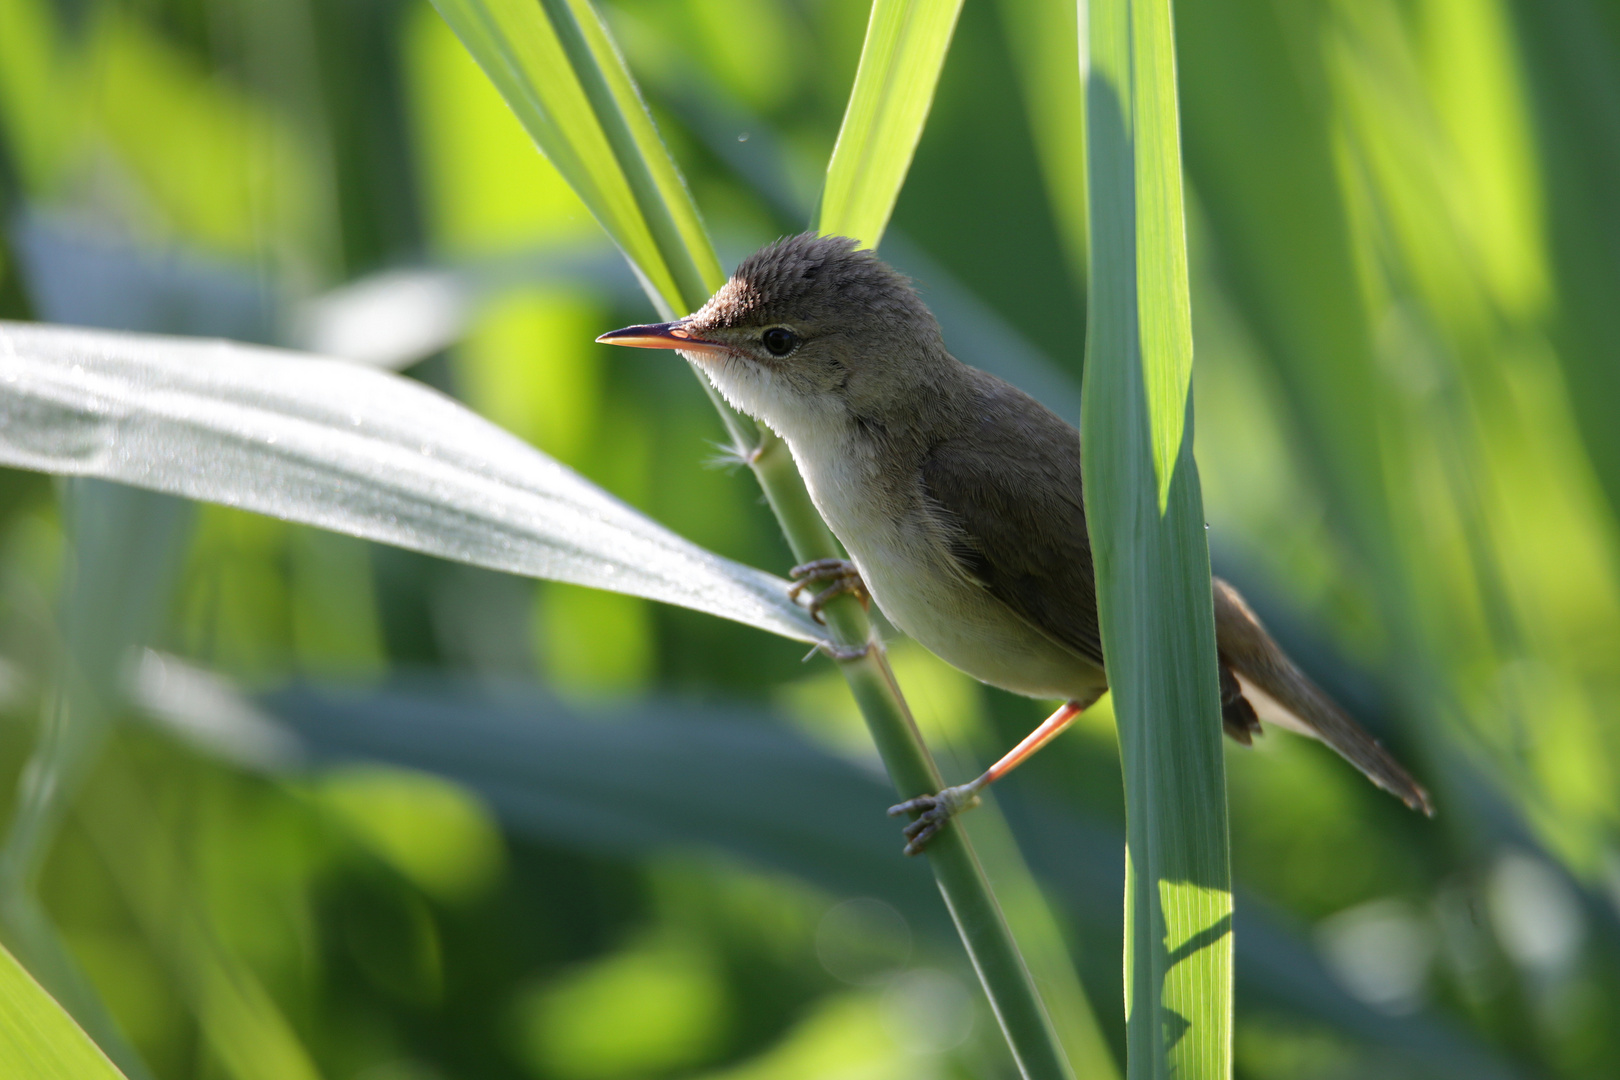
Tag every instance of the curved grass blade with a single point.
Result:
(38, 1040)
(601, 777)
(350, 449)
(906, 42)
(1152, 558)
(557, 68)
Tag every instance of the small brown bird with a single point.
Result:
(958, 499)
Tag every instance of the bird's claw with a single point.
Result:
(841, 576)
(934, 812)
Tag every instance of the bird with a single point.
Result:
(958, 500)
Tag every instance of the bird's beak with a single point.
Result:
(669, 335)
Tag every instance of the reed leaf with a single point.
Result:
(1151, 555)
(38, 1040)
(556, 67)
(351, 449)
(905, 47)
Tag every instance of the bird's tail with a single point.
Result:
(1279, 692)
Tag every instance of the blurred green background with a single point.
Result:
(335, 810)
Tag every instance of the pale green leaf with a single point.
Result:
(905, 47)
(557, 68)
(38, 1040)
(346, 448)
(1164, 313)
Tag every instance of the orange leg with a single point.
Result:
(935, 810)
(1049, 729)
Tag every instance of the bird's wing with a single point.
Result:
(1009, 490)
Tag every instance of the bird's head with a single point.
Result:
(808, 329)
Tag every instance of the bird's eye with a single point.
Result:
(779, 340)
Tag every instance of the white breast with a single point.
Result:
(914, 579)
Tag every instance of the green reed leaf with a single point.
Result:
(351, 449)
(905, 47)
(38, 1040)
(1152, 558)
(557, 68)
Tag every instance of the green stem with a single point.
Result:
(962, 883)
(972, 904)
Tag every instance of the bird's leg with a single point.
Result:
(841, 576)
(933, 811)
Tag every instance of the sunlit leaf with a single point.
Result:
(1152, 559)
(350, 449)
(38, 1040)
(1277, 969)
(555, 65)
(906, 42)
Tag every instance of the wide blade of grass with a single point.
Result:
(906, 42)
(38, 1040)
(556, 67)
(351, 449)
(600, 777)
(1152, 559)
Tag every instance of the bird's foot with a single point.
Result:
(840, 577)
(934, 812)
